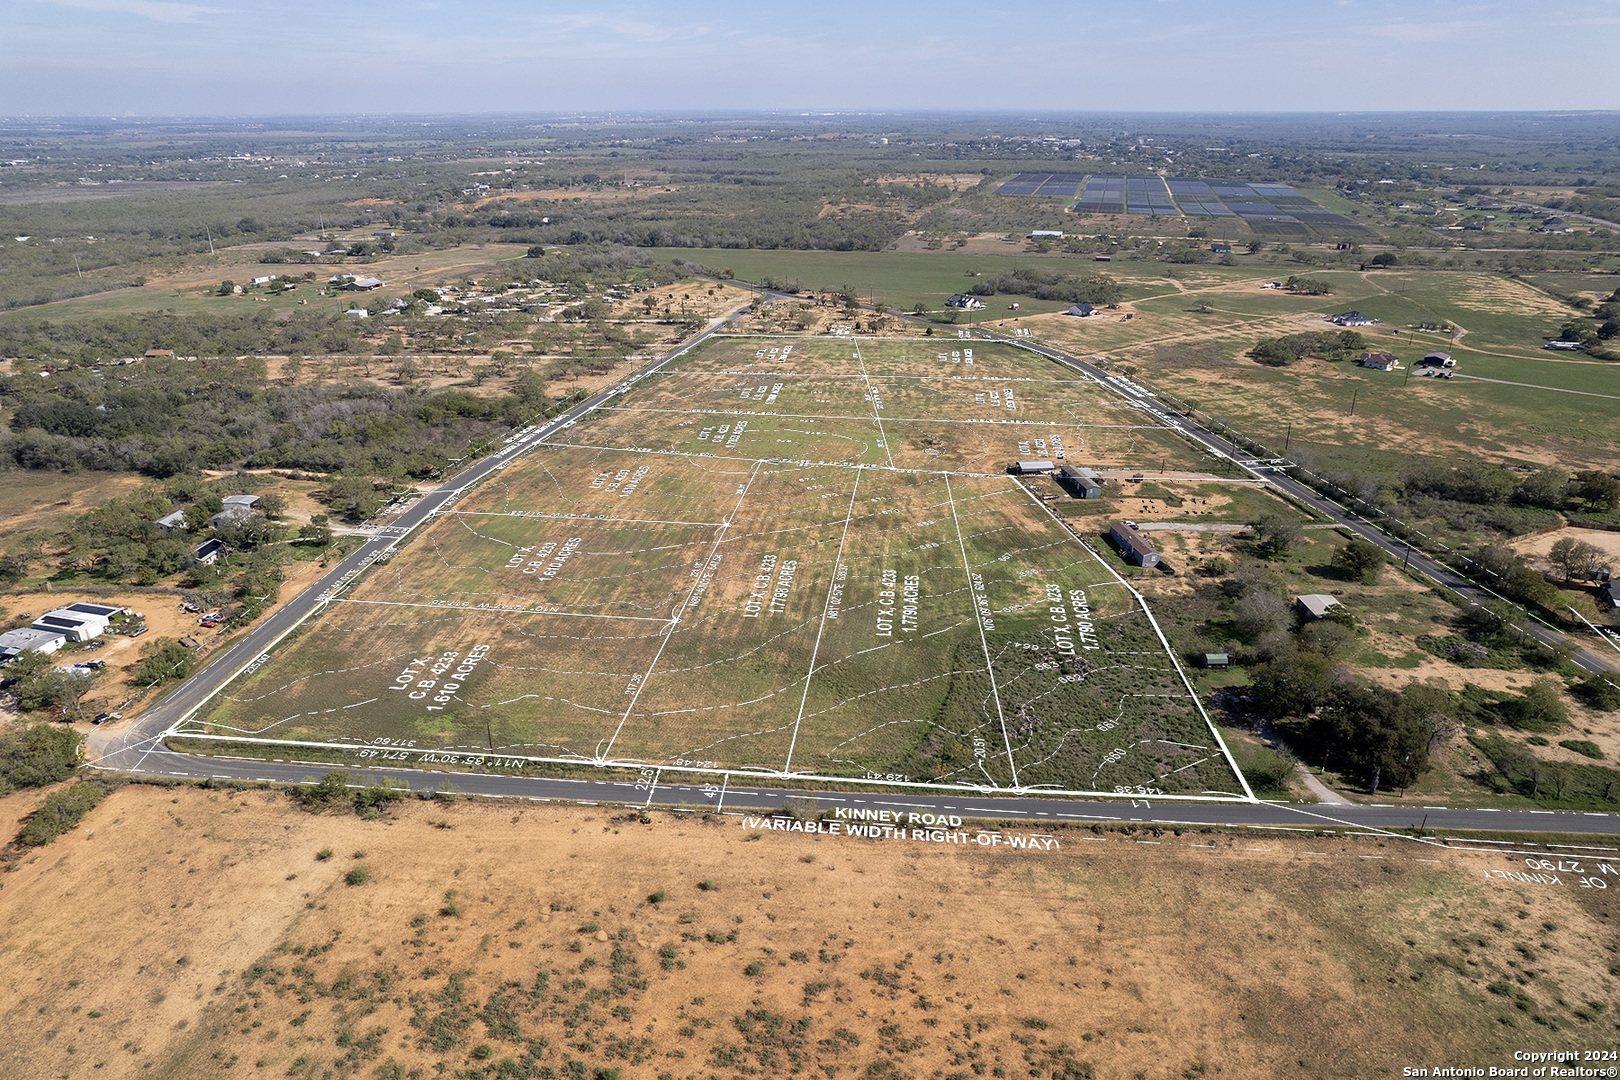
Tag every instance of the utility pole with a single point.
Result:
(1288, 436)
(1353, 396)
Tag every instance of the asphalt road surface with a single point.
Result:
(740, 794)
(139, 747)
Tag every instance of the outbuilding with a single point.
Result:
(209, 551)
(1314, 606)
(74, 625)
(1082, 310)
(1078, 482)
(1437, 359)
(1134, 545)
(14, 643)
(100, 611)
(170, 522)
(237, 510)
(1609, 594)
(1030, 468)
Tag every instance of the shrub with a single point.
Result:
(323, 854)
(1584, 747)
(754, 970)
(36, 755)
(61, 811)
(656, 898)
(357, 875)
(708, 885)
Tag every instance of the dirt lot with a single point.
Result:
(1536, 546)
(182, 933)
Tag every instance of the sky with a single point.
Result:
(281, 57)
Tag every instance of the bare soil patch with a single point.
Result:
(175, 934)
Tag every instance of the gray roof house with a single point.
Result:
(1314, 606)
(1135, 546)
(1609, 593)
(237, 509)
(965, 302)
(1082, 310)
(1078, 482)
(170, 522)
(14, 643)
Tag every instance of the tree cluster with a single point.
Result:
(1327, 344)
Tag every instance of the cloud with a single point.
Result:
(166, 11)
(1417, 33)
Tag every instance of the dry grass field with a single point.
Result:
(193, 933)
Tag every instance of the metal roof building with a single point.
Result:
(1135, 546)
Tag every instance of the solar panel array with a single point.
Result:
(1198, 199)
(1103, 195)
(1148, 195)
(1054, 185)
(1204, 198)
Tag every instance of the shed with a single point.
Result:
(209, 552)
(1135, 546)
(1221, 249)
(1314, 606)
(363, 284)
(1078, 482)
(1046, 234)
(14, 643)
(170, 522)
(1438, 359)
(100, 611)
(189, 642)
(1081, 310)
(75, 626)
(238, 509)
(1031, 468)
(1215, 660)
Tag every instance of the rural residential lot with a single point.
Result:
(786, 556)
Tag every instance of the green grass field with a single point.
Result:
(630, 597)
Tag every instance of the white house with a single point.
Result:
(237, 509)
(74, 625)
(14, 643)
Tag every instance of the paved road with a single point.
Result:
(740, 794)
